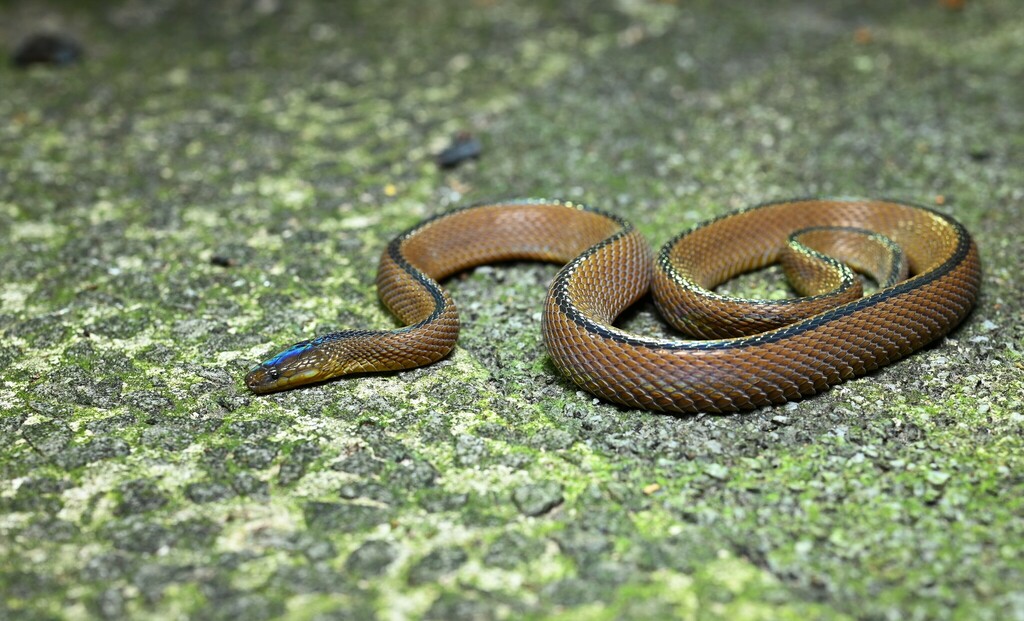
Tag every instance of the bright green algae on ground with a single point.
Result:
(140, 479)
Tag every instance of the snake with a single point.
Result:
(740, 353)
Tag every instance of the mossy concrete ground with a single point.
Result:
(291, 140)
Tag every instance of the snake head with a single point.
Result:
(295, 366)
(317, 360)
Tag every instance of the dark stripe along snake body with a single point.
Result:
(609, 267)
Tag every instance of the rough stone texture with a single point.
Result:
(213, 181)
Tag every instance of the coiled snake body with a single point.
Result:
(759, 352)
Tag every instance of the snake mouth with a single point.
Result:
(262, 380)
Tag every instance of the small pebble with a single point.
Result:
(47, 49)
(463, 147)
(980, 154)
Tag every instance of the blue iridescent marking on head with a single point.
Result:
(291, 352)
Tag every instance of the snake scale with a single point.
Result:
(751, 353)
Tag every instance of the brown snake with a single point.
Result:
(760, 352)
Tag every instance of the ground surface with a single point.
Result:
(213, 182)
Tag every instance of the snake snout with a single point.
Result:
(262, 379)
